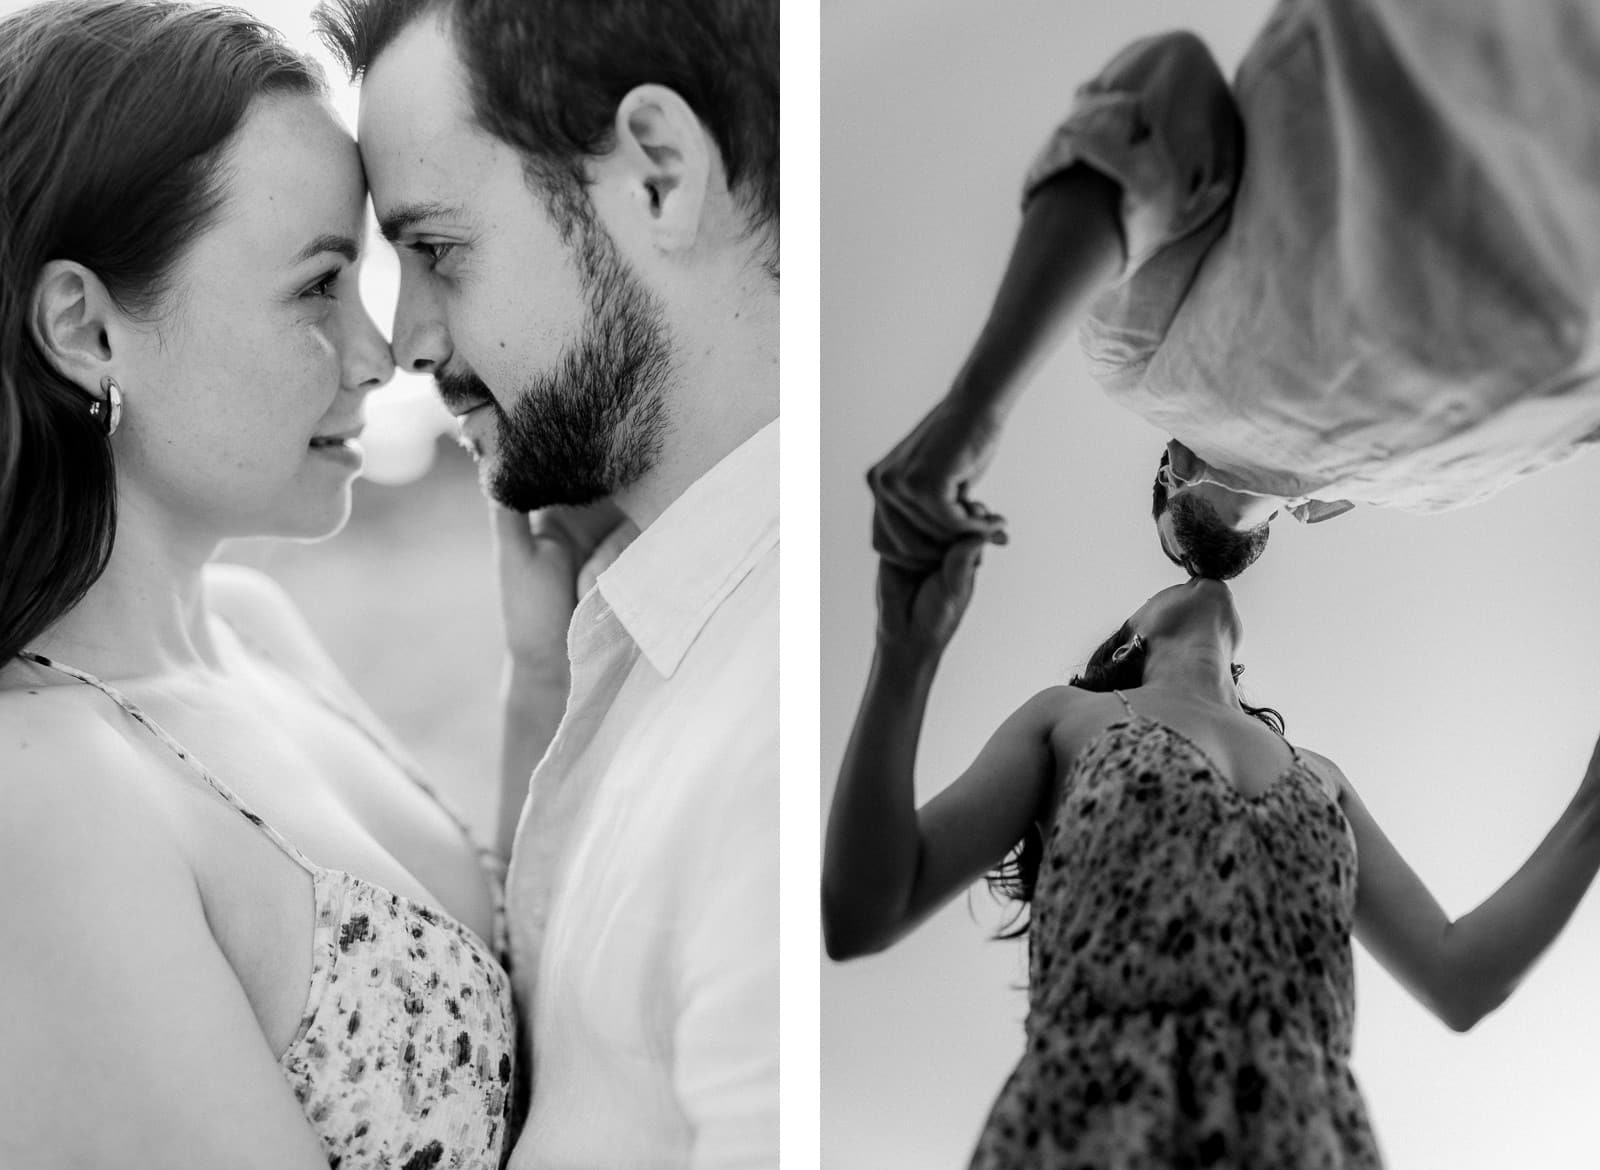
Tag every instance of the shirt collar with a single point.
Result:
(1303, 508)
(666, 584)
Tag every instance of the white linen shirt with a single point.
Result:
(643, 890)
(1371, 272)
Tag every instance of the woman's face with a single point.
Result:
(1200, 603)
(262, 351)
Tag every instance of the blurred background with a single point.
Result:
(1448, 663)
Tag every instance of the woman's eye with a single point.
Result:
(323, 288)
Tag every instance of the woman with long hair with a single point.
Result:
(239, 929)
(1192, 881)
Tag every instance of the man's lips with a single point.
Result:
(462, 409)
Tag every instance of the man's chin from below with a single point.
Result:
(1201, 542)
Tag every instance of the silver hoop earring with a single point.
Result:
(108, 411)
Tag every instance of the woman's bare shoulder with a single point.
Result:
(56, 734)
(108, 950)
(1331, 775)
(71, 791)
(1075, 711)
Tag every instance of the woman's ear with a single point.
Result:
(664, 157)
(70, 318)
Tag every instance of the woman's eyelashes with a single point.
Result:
(323, 287)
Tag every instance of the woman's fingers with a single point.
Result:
(907, 531)
(960, 570)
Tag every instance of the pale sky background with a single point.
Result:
(1447, 663)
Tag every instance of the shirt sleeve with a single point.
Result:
(1160, 120)
(725, 1059)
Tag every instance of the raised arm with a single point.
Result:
(1068, 247)
(1149, 154)
(1462, 970)
(125, 1037)
(887, 864)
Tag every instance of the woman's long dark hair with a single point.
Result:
(113, 119)
(1016, 876)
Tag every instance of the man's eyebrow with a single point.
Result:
(329, 242)
(408, 214)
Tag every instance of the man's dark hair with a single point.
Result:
(1207, 547)
(547, 76)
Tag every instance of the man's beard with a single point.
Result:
(594, 422)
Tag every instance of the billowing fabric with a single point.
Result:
(1191, 984)
(405, 1053)
(643, 893)
(1371, 272)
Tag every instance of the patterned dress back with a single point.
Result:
(1191, 991)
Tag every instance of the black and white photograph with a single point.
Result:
(389, 584)
(1209, 651)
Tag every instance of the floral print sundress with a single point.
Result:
(1191, 984)
(405, 1054)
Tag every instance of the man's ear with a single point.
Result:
(71, 319)
(664, 157)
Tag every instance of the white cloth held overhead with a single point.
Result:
(1396, 306)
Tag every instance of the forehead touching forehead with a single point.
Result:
(291, 176)
(419, 140)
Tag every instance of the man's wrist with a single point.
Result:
(975, 394)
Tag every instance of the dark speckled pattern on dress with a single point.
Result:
(1191, 991)
(404, 1058)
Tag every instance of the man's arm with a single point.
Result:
(1151, 151)
(1068, 248)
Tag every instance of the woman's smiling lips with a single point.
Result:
(341, 445)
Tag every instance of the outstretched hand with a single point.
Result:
(920, 609)
(547, 560)
(920, 487)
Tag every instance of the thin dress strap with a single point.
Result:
(138, 716)
(1126, 706)
(493, 866)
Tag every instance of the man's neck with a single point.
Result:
(724, 390)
